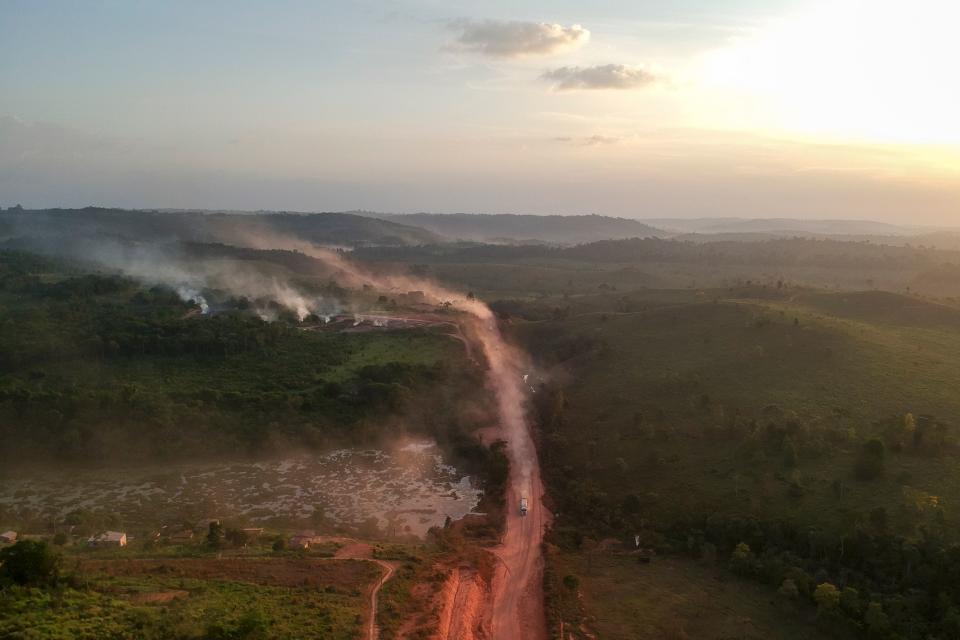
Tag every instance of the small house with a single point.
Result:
(204, 525)
(300, 542)
(304, 539)
(181, 537)
(109, 539)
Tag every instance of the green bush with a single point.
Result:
(869, 464)
(29, 563)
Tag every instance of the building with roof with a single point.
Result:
(109, 539)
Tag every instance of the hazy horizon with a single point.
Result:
(639, 110)
(649, 220)
(684, 366)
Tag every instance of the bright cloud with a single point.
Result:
(880, 70)
(589, 141)
(515, 39)
(607, 76)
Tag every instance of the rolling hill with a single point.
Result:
(198, 226)
(516, 229)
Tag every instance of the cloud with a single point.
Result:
(515, 39)
(589, 141)
(607, 76)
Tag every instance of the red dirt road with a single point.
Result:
(362, 551)
(515, 610)
(517, 590)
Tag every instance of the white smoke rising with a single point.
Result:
(478, 325)
(192, 277)
(169, 266)
(192, 295)
(505, 368)
(505, 364)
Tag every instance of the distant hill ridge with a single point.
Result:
(204, 226)
(782, 226)
(521, 228)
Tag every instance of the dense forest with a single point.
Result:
(776, 252)
(203, 226)
(782, 411)
(97, 364)
(522, 229)
(804, 439)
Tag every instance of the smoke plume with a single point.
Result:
(505, 363)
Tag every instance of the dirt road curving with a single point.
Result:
(372, 631)
(515, 609)
(517, 590)
(353, 550)
(511, 607)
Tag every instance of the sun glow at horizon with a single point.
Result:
(872, 71)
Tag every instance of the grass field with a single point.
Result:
(304, 361)
(99, 366)
(535, 278)
(619, 599)
(198, 598)
(674, 403)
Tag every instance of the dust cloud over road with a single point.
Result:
(513, 607)
(516, 596)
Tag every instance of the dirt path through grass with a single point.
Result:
(354, 550)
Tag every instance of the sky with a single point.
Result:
(635, 108)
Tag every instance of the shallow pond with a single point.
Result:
(405, 491)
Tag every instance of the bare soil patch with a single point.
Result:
(300, 572)
(159, 597)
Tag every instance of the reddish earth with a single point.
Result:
(517, 591)
(307, 572)
(464, 600)
(353, 550)
(512, 607)
(348, 568)
(372, 631)
(159, 597)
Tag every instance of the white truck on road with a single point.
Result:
(523, 506)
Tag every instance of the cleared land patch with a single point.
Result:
(670, 599)
(195, 598)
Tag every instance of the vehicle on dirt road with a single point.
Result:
(523, 506)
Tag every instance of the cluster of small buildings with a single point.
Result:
(199, 531)
(172, 535)
(102, 539)
(108, 539)
(304, 539)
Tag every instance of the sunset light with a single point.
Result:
(480, 320)
(875, 71)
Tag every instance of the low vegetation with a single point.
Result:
(787, 434)
(94, 365)
(740, 439)
(203, 598)
(611, 595)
